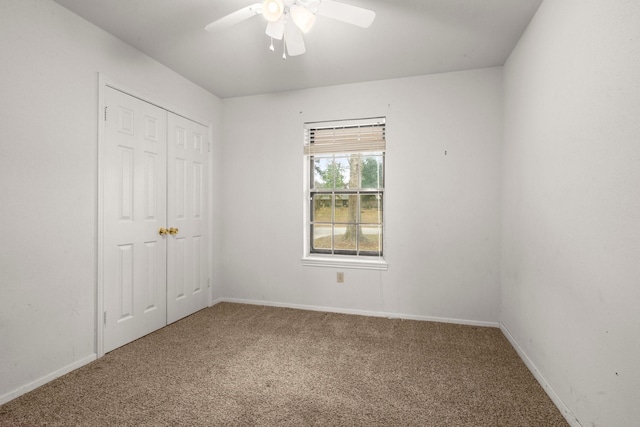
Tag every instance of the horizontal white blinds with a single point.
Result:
(349, 136)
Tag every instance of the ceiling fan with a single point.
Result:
(288, 20)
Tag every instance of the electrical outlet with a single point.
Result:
(340, 277)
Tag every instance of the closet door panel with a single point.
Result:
(187, 265)
(135, 188)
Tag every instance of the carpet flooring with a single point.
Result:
(244, 365)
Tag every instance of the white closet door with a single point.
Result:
(135, 191)
(187, 264)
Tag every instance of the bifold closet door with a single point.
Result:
(135, 208)
(187, 264)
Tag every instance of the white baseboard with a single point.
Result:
(49, 377)
(216, 301)
(564, 410)
(360, 312)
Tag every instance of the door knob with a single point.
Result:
(163, 231)
(173, 231)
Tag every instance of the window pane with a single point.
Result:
(324, 172)
(343, 172)
(346, 209)
(351, 167)
(321, 237)
(372, 170)
(371, 208)
(321, 208)
(345, 237)
(371, 238)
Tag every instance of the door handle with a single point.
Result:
(163, 231)
(173, 231)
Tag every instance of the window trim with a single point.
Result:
(352, 261)
(345, 261)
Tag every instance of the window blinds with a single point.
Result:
(348, 136)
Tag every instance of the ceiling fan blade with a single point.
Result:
(293, 39)
(346, 13)
(235, 17)
(276, 29)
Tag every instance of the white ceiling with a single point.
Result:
(407, 38)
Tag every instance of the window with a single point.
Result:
(345, 188)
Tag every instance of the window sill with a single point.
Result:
(345, 262)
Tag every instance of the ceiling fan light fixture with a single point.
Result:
(272, 10)
(303, 18)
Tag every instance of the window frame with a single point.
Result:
(333, 257)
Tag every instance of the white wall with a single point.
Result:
(443, 211)
(48, 180)
(571, 205)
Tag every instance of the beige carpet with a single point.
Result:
(243, 365)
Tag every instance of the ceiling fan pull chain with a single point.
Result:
(284, 49)
(271, 48)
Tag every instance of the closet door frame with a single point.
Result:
(104, 82)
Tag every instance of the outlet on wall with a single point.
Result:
(340, 277)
